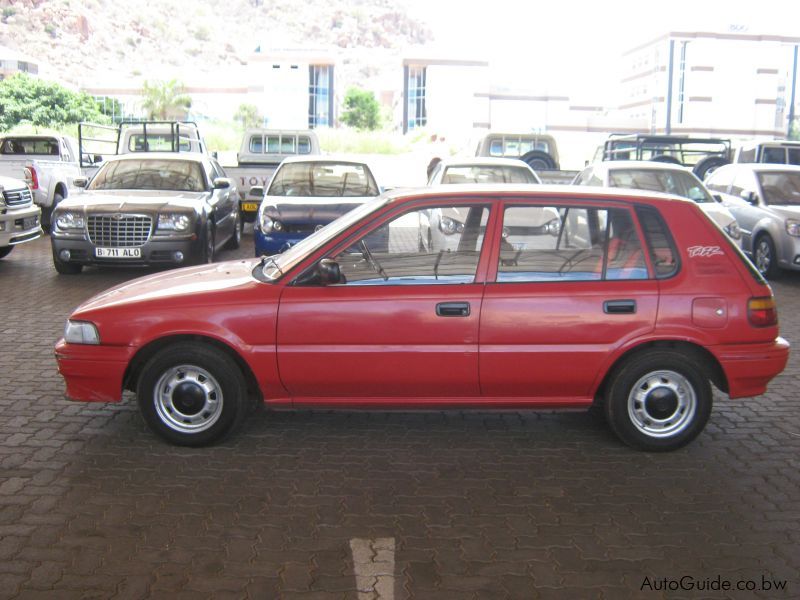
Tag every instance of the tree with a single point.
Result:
(26, 99)
(361, 110)
(249, 116)
(165, 100)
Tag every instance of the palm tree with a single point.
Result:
(165, 100)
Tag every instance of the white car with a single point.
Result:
(661, 177)
(482, 170)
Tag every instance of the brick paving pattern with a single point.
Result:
(345, 505)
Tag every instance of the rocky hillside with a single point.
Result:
(165, 37)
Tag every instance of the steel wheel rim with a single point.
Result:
(763, 256)
(662, 389)
(188, 399)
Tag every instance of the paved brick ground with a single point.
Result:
(438, 505)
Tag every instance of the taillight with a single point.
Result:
(762, 312)
(31, 178)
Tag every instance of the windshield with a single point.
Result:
(488, 174)
(150, 174)
(323, 179)
(678, 182)
(281, 263)
(780, 187)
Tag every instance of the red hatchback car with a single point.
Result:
(490, 297)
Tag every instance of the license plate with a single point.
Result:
(250, 206)
(118, 252)
(29, 223)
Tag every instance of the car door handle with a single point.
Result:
(619, 307)
(452, 309)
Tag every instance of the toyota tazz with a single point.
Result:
(633, 303)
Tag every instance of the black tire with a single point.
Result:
(47, 213)
(66, 268)
(765, 257)
(658, 400)
(235, 240)
(5, 251)
(708, 165)
(192, 394)
(207, 250)
(539, 161)
(663, 158)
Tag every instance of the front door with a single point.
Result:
(402, 323)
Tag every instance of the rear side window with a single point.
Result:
(548, 243)
(660, 245)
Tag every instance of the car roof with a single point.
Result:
(618, 165)
(766, 167)
(481, 161)
(198, 156)
(326, 158)
(533, 191)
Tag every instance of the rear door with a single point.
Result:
(569, 285)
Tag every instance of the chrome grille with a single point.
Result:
(21, 197)
(119, 231)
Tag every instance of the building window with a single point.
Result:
(320, 83)
(415, 99)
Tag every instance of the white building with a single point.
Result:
(729, 84)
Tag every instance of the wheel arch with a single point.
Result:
(149, 350)
(61, 189)
(705, 360)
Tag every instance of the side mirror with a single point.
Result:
(222, 183)
(329, 272)
(751, 197)
(257, 191)
(717, 197)
(80, 182)
(97, 158)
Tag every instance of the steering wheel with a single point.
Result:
(365, 251)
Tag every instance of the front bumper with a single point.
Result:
(93, 373)
(750, 367)
(276, 242)
(167, 250)
(788, 249)
(19, 225)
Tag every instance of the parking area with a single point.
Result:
(378, 505)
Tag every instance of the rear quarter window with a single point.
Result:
(660, 245)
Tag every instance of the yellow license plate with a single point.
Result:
(250, 206)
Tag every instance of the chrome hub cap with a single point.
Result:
(763, 256)
(188, 399)
(662, 404)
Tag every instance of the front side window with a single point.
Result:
(437, 245)
(774, 155)
(680, 183)
(548, 243)
(150, 174)
(323, 179)
(780, 187)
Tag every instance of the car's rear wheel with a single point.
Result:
(764, 256)
(47, 213)
(192, 394)
(658, 401)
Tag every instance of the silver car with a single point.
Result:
(765, 199)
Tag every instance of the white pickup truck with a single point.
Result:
(260, 153)
(19, 216)
(48, 163)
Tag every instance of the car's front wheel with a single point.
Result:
(5, 251)
(192, 394)
(658, 401)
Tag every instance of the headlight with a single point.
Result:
(793, 227)
(268, 224)
(553, 227)
(70, 220)
(733, 231)
(174, 222)
(81, 332)
(450, 226)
